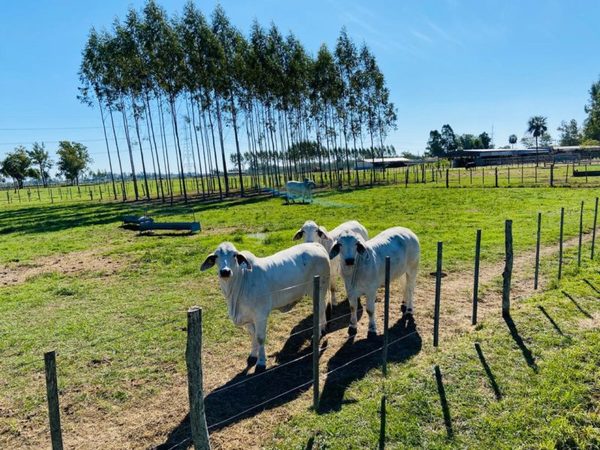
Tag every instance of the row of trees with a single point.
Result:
(73, 158)
(444, 143)
(198, 81)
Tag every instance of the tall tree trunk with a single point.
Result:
(237, 144)
(112, 175)
(214, 144)
(222, 143)
(137, 131)
(130, 149)
(114, 130)
(198, 146)
(178, 146)
(151, 133)
(165, 150)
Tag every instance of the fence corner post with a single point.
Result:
(193, 357)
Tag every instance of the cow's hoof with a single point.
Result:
(403, 309)
(251, 361)
(371, 334)
(260, 368)
(351, 331)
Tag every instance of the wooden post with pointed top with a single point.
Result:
(53, 404)
(193, 357)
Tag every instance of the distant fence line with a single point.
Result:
(199, 426)
(584, 173)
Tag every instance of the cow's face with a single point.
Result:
(349, 246)
(227, 259)
(311, 232)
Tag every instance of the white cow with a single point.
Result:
(254, 286)
(363, 267)
(300, 189)
(311, 232)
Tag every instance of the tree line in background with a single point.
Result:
(73, 159)
(186, 82)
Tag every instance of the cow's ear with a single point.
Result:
(208, 262)
(322, 233)
(335, 250)
(241, 260)
(360, 248)
(298, 234)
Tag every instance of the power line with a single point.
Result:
(50, 128)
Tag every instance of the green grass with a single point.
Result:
(120, 337)
(553, 406)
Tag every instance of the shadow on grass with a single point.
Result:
(589, 283)
(280, 384)
(488, 372)
(302, 333)
(577, 305)
(519, 341)
(444, 402)
(347, 372)
(554, 324)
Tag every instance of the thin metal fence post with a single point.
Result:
(594, 228)
(476, 277)
(438, 289)
(316, 333)
(580, 236)
(560, 242)
(382, 424)
(507, 274)
(386, 316)
(537, 251)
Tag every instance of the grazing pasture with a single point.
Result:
(113, 304)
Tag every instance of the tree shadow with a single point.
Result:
(302, 332)
(336, 384)
(519, 341)
(488, 372)
(554, 324)
(577, 305)
(444, 403)
(589, 283)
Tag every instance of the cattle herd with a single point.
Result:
(254, 286)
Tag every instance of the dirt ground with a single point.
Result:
(65, 264)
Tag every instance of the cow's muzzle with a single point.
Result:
(349, 261)
(225, 273)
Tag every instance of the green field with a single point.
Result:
(113, 305)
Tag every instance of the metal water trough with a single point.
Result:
(145, 223)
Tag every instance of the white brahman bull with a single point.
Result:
(363, 268)
(302, 189)
(311, 232)
(254, 286)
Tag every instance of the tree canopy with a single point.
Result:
(73, 159)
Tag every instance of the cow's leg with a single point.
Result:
(371, 312)
(409, 290)
(254, 351)
(260, 328)
(353, 301)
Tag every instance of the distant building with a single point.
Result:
(500, 156)
(388, 162)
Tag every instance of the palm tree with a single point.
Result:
(537, 126)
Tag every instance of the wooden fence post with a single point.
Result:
(496, 174)
(508, 176)
(316, 333)
(560, 242)
(537, 251)
(447, 175)
(382, 424)
(438, 290)
(53, 404)
(386, 316)
(552, 175)
(476, 277)
(507, 274)
(594, 229)
(580, 236)
(193, 358)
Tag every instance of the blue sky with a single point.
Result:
(472, 64)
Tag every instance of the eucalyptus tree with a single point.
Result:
(92, 75)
